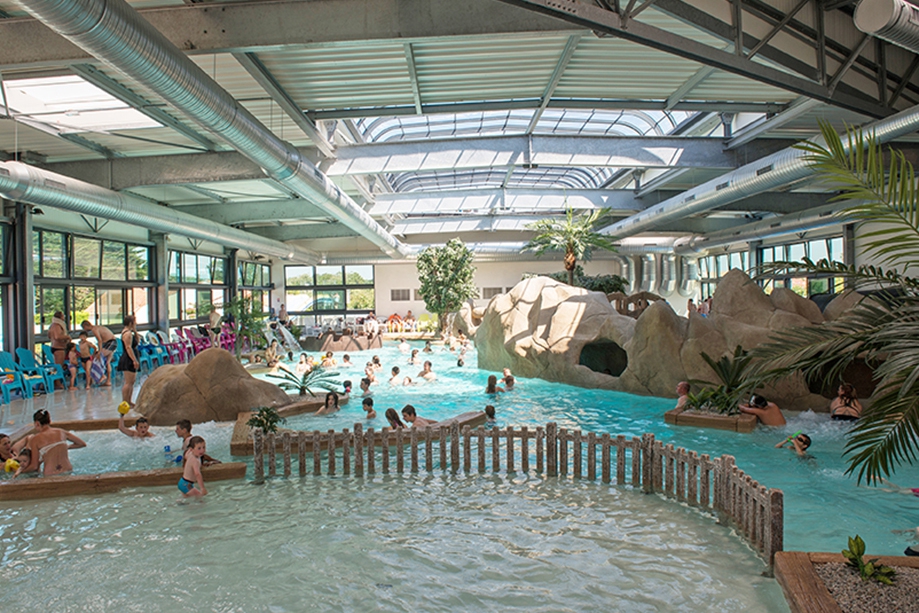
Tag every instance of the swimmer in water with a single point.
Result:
(141, 428)
(192, 482)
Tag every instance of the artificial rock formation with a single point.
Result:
(213, 386)
(547, 329)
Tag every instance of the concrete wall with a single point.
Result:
(488, 275)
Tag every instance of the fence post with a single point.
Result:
(428, 450)
(272, 452)
(454, 447)
(480, 436)
(285, 440)
(551, 449)
(540, 434)
(524, 450)
(704, 481)
(775, 525)
(620, 459)
(576, 453)
(510, 449)
(562, 439)
(636, 462)
(331, 449)
(259, 451)
(495, 450)
(591, 456)
(358, 450)
(385, 459)
(371, 451)
(345, 452)
(400, 452)
(604, 458)
(467, 449)
(414, 446)
(442, 435)
(647, 451)
(317, 453)
(301, 453)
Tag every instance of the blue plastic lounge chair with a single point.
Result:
(51, 372)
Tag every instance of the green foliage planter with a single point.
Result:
(446, 274)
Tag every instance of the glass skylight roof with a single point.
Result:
(520, 178)
(70, 104)
(501, 123)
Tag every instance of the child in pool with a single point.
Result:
(799, 441)
(490, 415)
(367, 405)
(192, 483)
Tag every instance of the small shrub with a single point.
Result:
(266, 418)
(724, 398)
(870, 569)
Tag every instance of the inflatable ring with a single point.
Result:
(124, 407)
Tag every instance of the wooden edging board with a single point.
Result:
(241, 443)
(804, 589)
(735, 423)
(76, 485)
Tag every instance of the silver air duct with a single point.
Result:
(26, 183)
(820, 217)
(770, 172)
(627, 271)
(689, 276)
(668, 275)
(895, 21)
(648, 273)
(116, 34)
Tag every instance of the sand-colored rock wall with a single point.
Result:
(213, 386)
(541, 327)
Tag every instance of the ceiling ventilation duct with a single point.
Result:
(648, 273)
(813, 219)
(668, 275)
(770, 172)
(689, 276)
(117, 35)
(896, 21)
(24, 183)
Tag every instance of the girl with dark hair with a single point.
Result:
(493, 387)
(393, 418)
(845, 407)
(128, 364)
(330, 406)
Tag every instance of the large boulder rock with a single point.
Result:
(547, 329)
(541, 327)
(213, 386)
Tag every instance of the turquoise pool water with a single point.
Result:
(823, 506)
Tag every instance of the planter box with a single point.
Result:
(804, 589)
(735, 423)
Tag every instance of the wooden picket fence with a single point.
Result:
(717, 485)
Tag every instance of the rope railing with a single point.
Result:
(716, 485)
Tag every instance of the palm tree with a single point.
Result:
(574, 235)
(882, 331)
(315, 378)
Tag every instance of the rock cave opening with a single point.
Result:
(604, 357)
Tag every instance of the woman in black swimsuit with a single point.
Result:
(128, 363)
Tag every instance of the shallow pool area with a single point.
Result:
(823, 505)
(415, 543)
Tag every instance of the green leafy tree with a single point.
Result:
(267, 419)
(882, 331)
(305, 383)
(446, 275)
(733, 373)
(598, 283)
(575, 236)
(250, 320)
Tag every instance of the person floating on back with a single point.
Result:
(192, 482)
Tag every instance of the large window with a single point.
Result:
(715, 266)
(315, 293)
(197, 281)
(255, 282)
(830, 248)
(89, 278)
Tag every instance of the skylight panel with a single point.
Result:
(69, 104)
